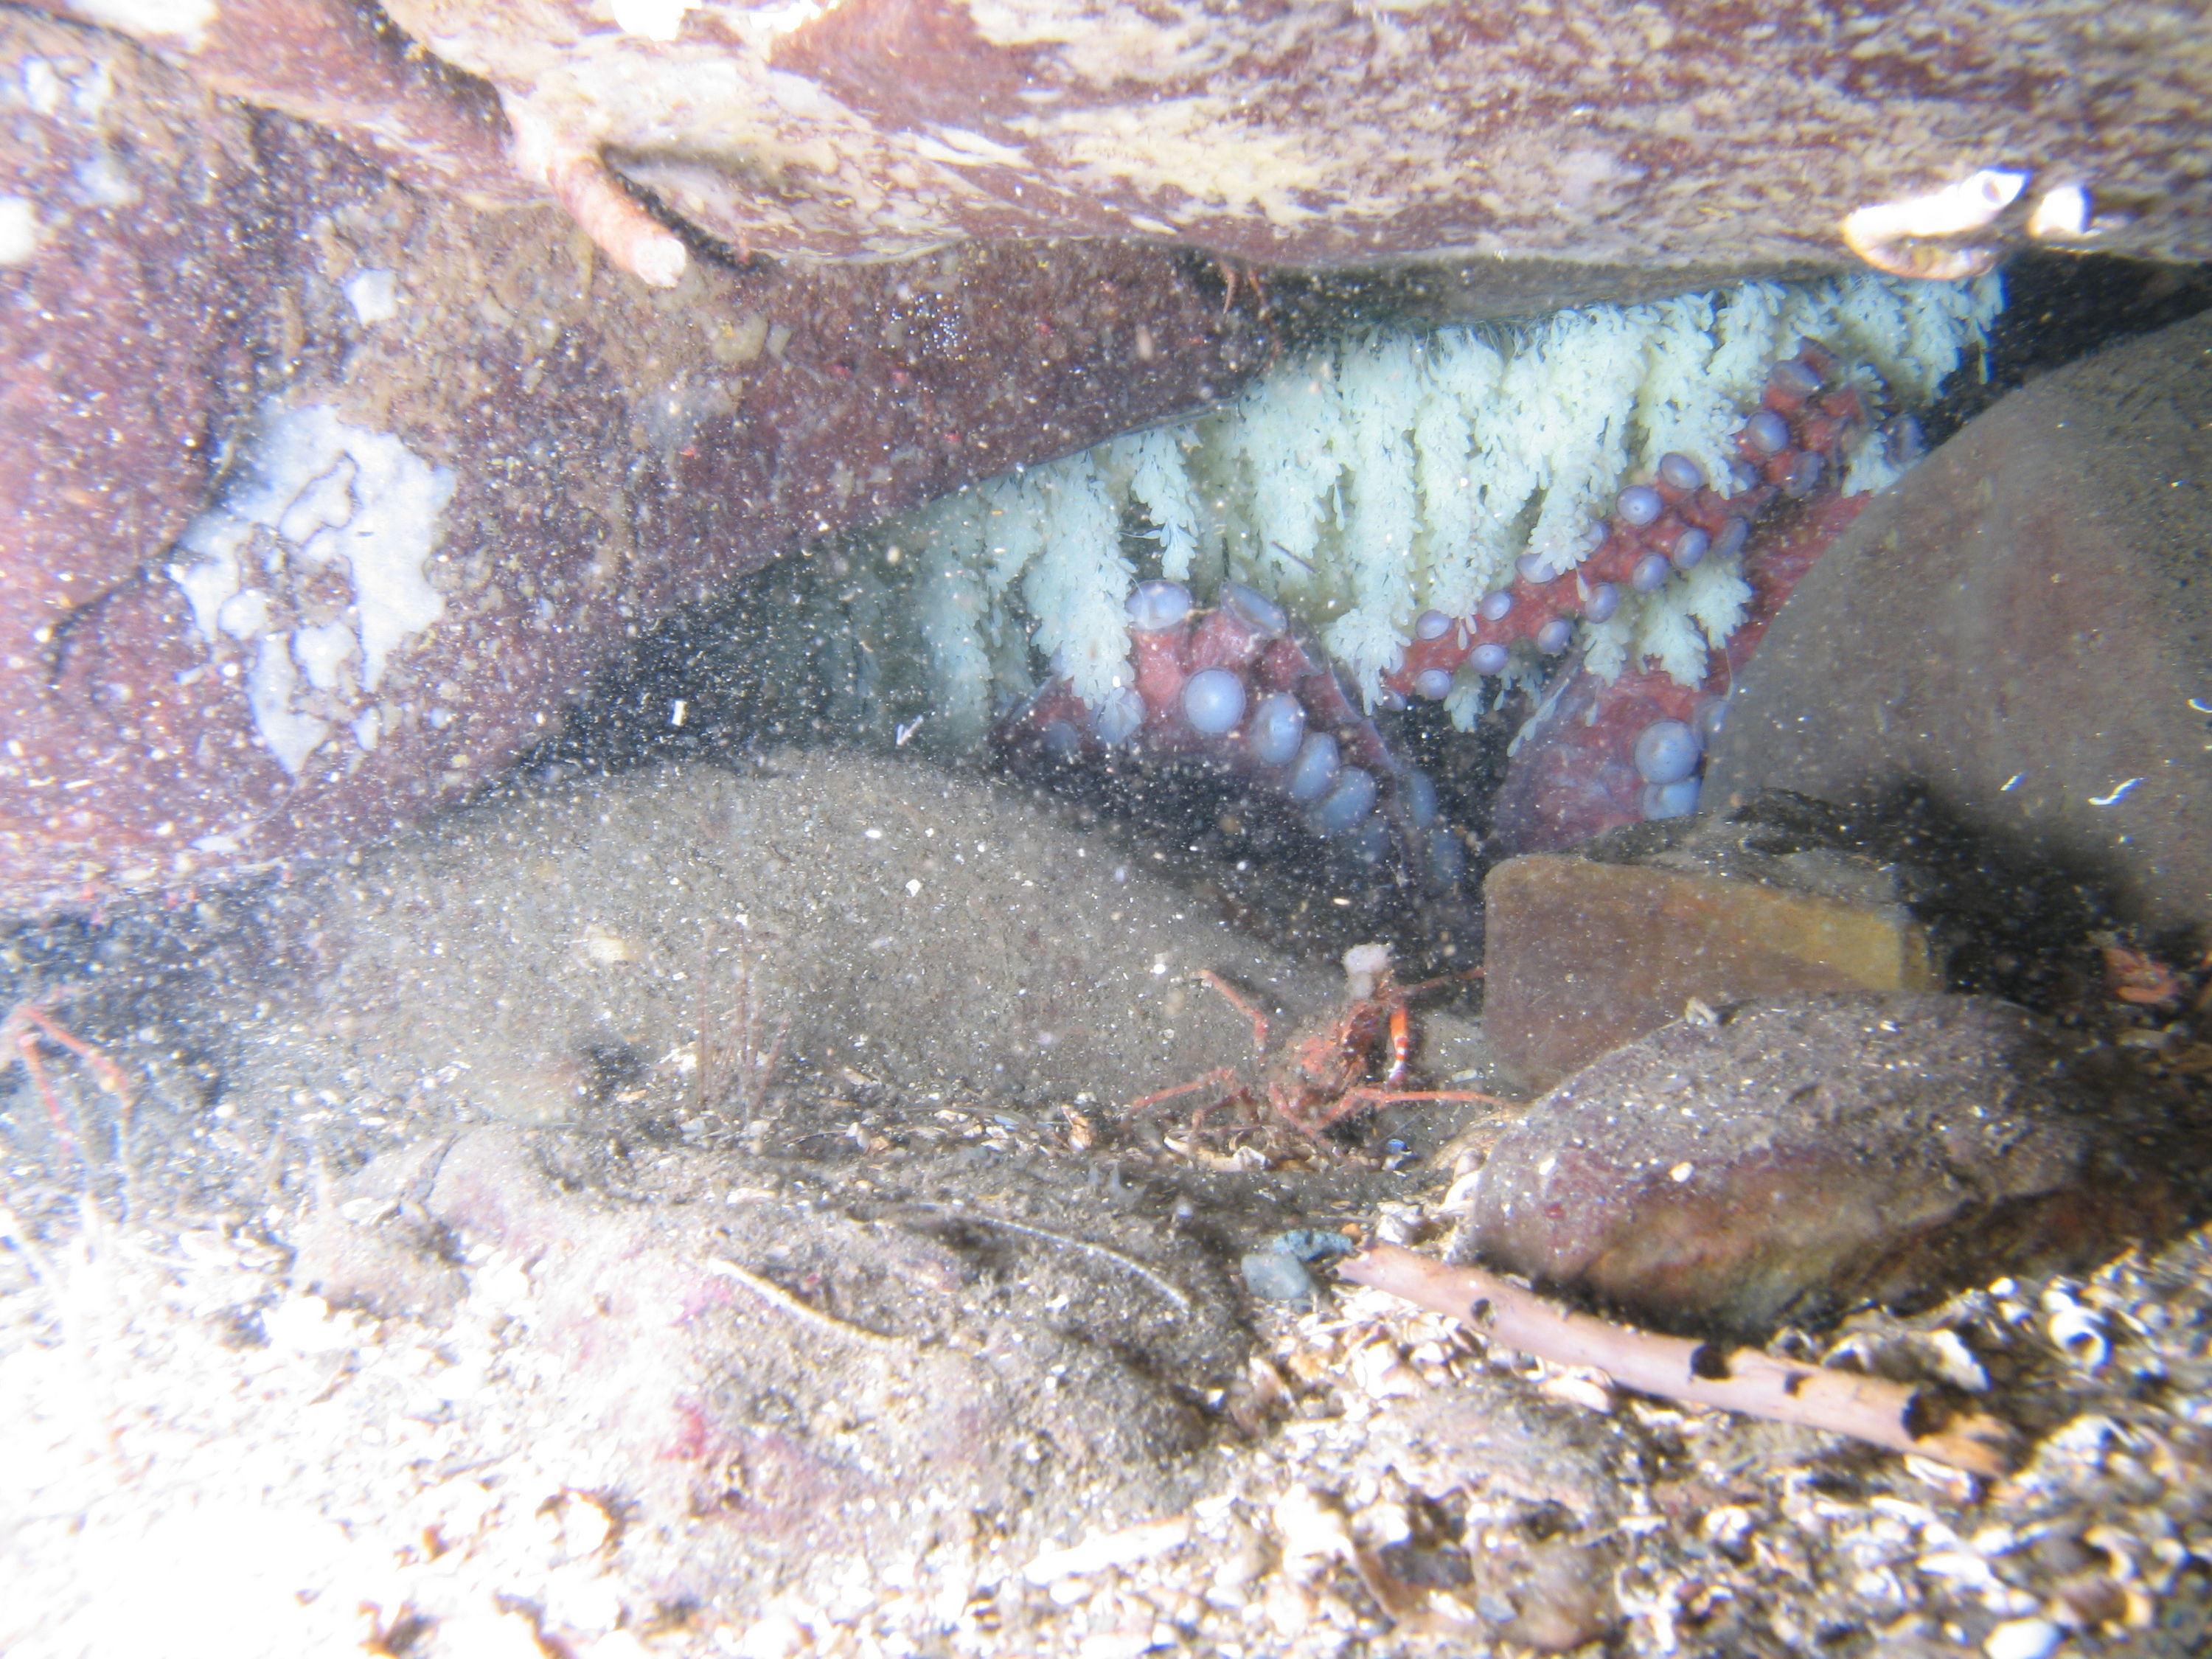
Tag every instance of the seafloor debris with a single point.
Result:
(201, 1450)
(510, 1388)
(1727, 1535)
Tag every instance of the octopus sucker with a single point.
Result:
(1241, 691)
(1247, 690)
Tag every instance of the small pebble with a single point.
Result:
(1275, 1276)
(1311, 1244)
(584, 1525)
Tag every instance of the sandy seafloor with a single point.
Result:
(694, 1214)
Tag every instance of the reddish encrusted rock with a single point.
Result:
(600, 454)
(548, 454)
(123, 369)
(1575, 148)
(1800, 1158)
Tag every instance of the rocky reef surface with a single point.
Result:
(502, 1154)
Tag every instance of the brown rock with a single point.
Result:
(1806, 1157)
(2022, 628)
(1586, 953)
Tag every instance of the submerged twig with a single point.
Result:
(768, 1290)
(1128, 1264)
(1870, 1408)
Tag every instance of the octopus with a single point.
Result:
(944, 181)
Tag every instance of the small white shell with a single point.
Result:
(603, 947)
(2061, 215)
(2076, 1330)
(1578, 1389)
(1955, 1362)
(1378, 1370)
(1310, 1529)
(1461, 1195)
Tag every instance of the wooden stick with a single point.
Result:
(769, 1292)
(1166, 1287)
(1870, 1408)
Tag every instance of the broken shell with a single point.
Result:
(1461, 1195)
(1311, 1531)
(602, 947)
(1954, 1362)
(2074, 1329)
(1382, 1524)
(1125, 1548)
(1397, 1224)
(1727, 1525)
(1378, 1370)
(2061, 215)
(1894, 236)
(1951, 211)
(2023, 1638)
(584, 1525)
(1576, 1389)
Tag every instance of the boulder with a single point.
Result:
(675, 935)
(1806, 1156)
(2019, 636)
(189, 694)
(1578, 151)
